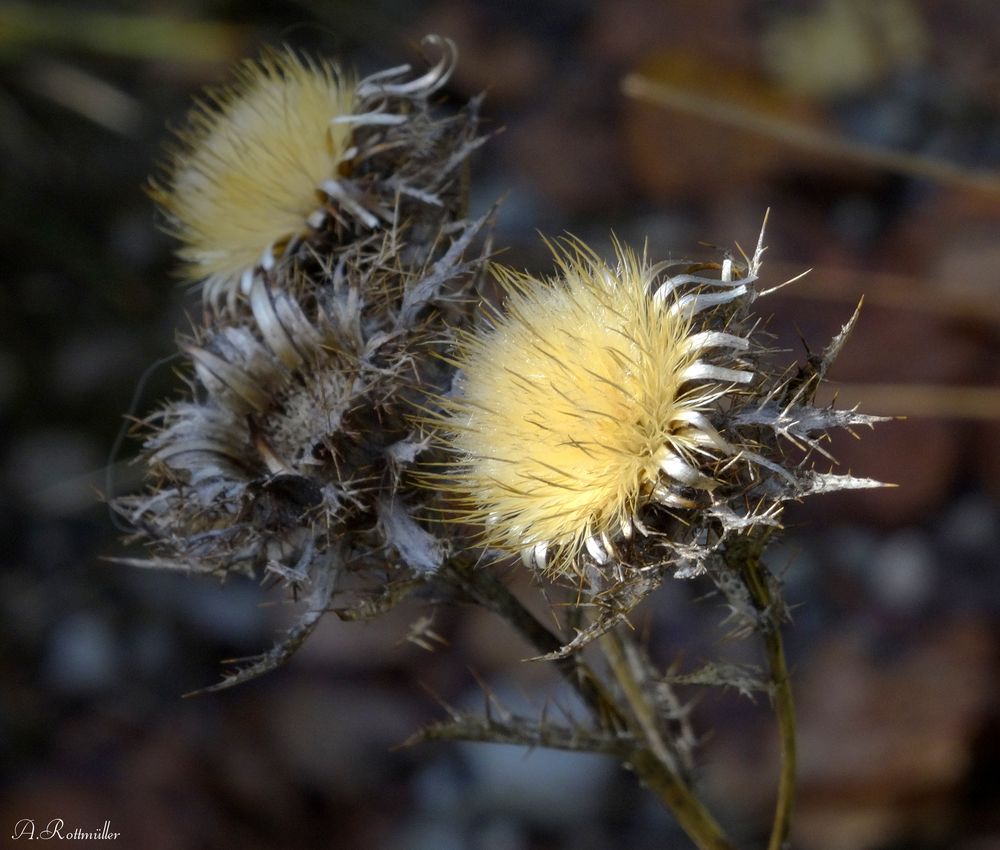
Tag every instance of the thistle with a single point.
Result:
(590, 395)
(613, 420)
(287, 457)
(616, 425)
(291, 152)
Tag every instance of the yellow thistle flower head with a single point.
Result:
(246, 181)
(590, 394)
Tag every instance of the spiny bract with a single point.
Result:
(247, 177)
(585, 396)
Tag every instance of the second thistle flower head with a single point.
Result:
(294, 152)
(245, 182)
(590, 395)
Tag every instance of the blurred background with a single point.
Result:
(872, 132)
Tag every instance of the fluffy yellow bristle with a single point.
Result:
(254, 154)
(575, 401)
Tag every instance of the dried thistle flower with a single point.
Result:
(613, 420)
(291, 150)
(254, 156)
(587, 396)
(288, 456)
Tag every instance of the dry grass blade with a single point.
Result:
(23, 25)
(807, 138)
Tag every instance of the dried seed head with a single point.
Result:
(290, 455)
(245, 182)
(588, 396)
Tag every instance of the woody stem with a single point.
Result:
(654, 763)
(756, 576)
(646, 759)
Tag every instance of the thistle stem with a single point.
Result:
(485, 589)
(644, 725)
(756, 578)
(692, 816)
(654, 763)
